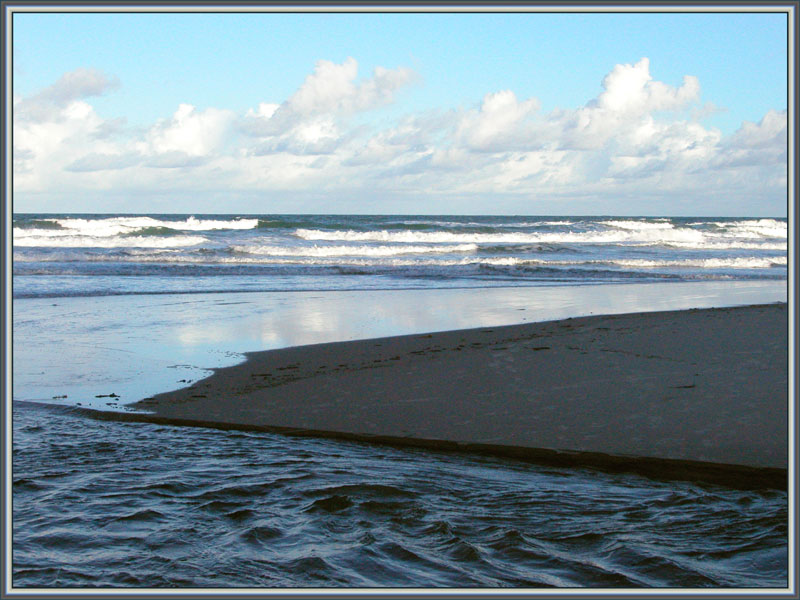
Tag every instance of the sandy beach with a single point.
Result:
(679, 389)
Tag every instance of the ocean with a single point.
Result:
(89, 255)
(108, 309)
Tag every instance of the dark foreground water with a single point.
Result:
(99, 503)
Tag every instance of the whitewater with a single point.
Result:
(84, 254)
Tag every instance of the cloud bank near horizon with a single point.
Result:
(638, 138)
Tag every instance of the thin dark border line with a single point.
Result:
(6, 503)
(6, 548)
(396, 12)
(792, 577)
(381, 6)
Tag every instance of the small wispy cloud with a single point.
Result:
(75, 85)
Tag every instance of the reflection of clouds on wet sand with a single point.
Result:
(641, 384)
(139, 346)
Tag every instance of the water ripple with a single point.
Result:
(105, 504)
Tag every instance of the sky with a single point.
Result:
(532, 113)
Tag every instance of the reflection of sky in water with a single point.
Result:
(137, 346)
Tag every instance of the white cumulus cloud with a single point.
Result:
(631, 89)
(310, 120)
(637, 138)
(762, 143)
(629, 94)
(331, 88)
(193, 132)
(501, 123)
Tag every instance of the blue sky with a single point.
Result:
(520, 113)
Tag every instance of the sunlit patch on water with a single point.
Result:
(102, 503)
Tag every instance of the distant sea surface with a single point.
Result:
(122, 254)
(110, 307)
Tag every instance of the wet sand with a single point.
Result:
(679, 393)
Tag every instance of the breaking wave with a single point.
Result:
(114, 226)
(616, 232)
(360, 250)
(330, 251)
(126, 241)
(439, 237)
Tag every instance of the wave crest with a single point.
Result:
(133, 241)
(114, 226)
(332, 251)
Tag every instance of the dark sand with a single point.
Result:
(680, 393)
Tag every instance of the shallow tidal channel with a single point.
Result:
(108, 504)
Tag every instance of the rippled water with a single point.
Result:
(100, 255)
(102, 503)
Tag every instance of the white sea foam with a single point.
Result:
(134, 241)
(707, 263)
(509, 225)
(736, 234)
(360, 250)
(114, 226)
(768, 228)
(597, 250)
(749, 228)
(638, 225)
(724, 245)
(700, 263)
(176, 256)
(440, 237)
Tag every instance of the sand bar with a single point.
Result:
(138, 346)
(696, 389)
